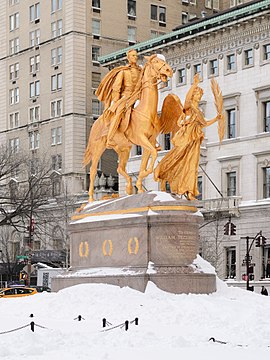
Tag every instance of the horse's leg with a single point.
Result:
(144, 161)
(123, 155)
(99, 150)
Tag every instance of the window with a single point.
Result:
(154, 12)
(138, 150)
(232, 3)
(132, 8)
(213, 67)
(14, 71)
(14, 145)
(96, 108)
(34, 12)
(34, 38)
(162, 14)
(96, 4)
(197, 69)
(266, 182)
(14, 21)
(34, 63)
(181, 79)
(57, 162)
(56, 135)
(14, 46)
(56, 5)
(231, 64)
(266, 52)
(56, 56)
(95, 53)
(208, 4)
(34, 88)
(14, 96)
(248, 57)
(96, 27)
(167, 141)
(34, 114)
(57, 28)
(33, 143)
(230, 262)
(266, 109)
(56, 108)
(193, 2)
(266, 262)
(231, 123)
(231, 183)
(14, 120)
(216, 4)
(96, 78)
(13, 2)
(131, 34)
(154, 34)
(184, 17)
(56, 82)
(199, 184)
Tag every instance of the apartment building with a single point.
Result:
(234, 178)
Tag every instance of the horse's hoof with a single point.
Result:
(140, 191)
(129, 190)
(91, 199)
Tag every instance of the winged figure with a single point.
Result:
(179, 167)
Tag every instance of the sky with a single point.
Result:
(169, 326)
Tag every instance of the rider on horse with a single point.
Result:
(115, 90)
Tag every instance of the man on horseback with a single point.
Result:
(115, 90)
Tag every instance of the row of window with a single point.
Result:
(34, 63)
(230, 64)
(34, 89)
(34, 37)
(34, 141)
(34, 113)
(34, 13)
(264, 266)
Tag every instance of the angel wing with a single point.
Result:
(219, 106)
(172, 109)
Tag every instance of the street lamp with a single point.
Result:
(260, 240)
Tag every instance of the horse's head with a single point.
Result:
(159, 68)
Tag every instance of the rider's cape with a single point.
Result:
(105, 88)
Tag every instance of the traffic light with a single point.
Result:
(23, 276)
(263, 239)
(251, 276)
(233, 229)
(31, 226)
(227, 228)
(258, 242)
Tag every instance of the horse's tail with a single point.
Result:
(96, 133)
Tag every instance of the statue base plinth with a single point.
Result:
(136, 239)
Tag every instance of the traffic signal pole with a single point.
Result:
(259, 238)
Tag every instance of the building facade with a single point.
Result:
(234, 177)
(49, 71)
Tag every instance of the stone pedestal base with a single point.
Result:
(129, 241)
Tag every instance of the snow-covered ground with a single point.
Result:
(170, 326)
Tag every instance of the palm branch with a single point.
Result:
(219, 106)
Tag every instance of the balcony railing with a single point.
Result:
(227, 204)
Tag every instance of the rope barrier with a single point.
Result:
(9, 331)
(224, 342)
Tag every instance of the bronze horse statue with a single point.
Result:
(142, 129)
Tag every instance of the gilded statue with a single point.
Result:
(179, 167)
(115, 90)
(123, 123)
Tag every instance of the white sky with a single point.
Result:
(170, 326)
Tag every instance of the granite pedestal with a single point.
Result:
(135, 239)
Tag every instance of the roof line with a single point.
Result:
(203, 24)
